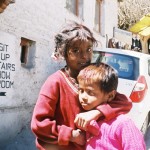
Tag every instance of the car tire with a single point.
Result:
(145, 124)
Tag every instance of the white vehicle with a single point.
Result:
(134, 80)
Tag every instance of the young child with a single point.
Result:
(57, 105)
(97, 85)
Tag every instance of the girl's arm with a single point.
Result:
(119, 105)
(43, 123)
(45, 127)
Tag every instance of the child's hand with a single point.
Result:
(83, 119)
(78, 137)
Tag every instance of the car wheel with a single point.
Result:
(145, 124)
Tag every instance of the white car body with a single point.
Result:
(140, 110)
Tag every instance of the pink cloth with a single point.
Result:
(93, 128)
(117, 134)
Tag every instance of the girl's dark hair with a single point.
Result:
(72, 31)
(102, 74)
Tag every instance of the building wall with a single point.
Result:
(144, 41)
(37, 21)
(110, 16)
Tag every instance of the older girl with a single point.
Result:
(57, 104)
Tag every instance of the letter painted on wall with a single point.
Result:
(7, 63)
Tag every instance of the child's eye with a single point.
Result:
(80, 90)
(76, 50)
(90, 93)
(90, 49)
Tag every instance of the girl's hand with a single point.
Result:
(78, 137)
(83, 119)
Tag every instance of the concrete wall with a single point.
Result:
(110, 16)
(37, 21)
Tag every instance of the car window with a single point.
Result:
(127, 66)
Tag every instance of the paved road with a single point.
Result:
(25, 141)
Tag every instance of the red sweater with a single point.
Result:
(56, 108)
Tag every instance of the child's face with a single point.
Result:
(91, 96)
(79, 55)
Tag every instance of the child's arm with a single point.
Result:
(82, 120)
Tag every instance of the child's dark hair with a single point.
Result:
(102, 74)
(72, 31)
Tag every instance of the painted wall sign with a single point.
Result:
(7, 62)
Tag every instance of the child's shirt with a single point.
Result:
(119, 133)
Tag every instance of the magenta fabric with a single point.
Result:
(119, 133)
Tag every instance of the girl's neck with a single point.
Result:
(73, 79)
(71, 73)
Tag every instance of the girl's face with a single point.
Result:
(91, 96)
(79, 55)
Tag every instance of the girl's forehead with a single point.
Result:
(78, 42)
